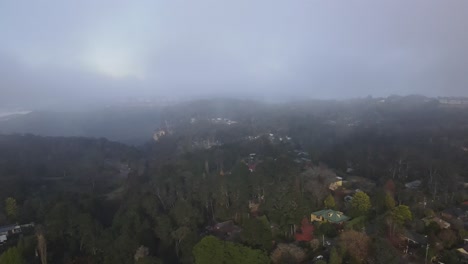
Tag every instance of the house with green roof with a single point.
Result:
(328, 215)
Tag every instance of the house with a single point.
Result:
(414, 238)
(205, 143)
(463, 253)
(442, 224)
(251, 161)
(6, 231)
(337, 184)
(10, 229)
(254, 205)
(453, 101)
(453, 213)
(225, 230)
(159, 134)
(413, 184)
(302, 154)
(329, 215)
(305, 232)
(252, 167)
(223, 121)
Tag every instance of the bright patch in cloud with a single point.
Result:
(112, 61)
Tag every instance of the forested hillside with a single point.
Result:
(242, 184)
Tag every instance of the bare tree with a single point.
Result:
(316, 182)
(141, 253)
(41, 244)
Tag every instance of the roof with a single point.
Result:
(463, 251)
(304, 233)
(415, 237)
(252, 166)
(225, 230)
(7, 228)
(443, 224)
(226, 227)
(332, 215)
(456, 212)
(413, 184)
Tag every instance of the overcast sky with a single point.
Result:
(92, 50)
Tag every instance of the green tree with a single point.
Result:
(213, 250)
(184, 214)
(11, 208)
(360, 204)
(27, 247)
(327, 229)
(335, 258)
(432, 228)
(209, 250)
(255, 233)
(164, 229)
(357, 223)
(178, 236)
(429, 213)
(389, 201)
(450, 257)
(384, 252)
(88, 232)
(149, 260)
(399, 215)
(11, 256)
(330, 202)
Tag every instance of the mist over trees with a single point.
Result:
(257, 170)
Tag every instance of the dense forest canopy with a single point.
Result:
(236, 181)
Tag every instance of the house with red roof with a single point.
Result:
(305, 233)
